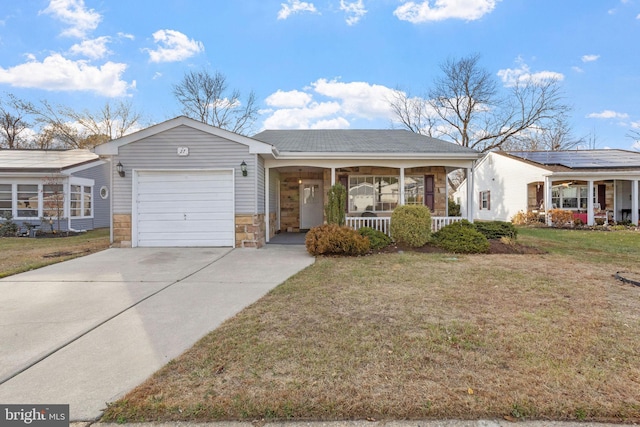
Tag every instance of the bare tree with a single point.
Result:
(470, 110)
(64, 127)
(12, 124)
(635, 135)
(553, 135)
(205, 97)
(414, 113)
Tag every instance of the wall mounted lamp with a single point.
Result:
(243, 168)
(299, 176)
(120, 169)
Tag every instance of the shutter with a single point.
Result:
(480, 200)
(429, 192)
(488, 200)
(602, 196)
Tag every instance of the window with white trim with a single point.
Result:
(6, 199)
(27, 201)
(570, 197)
(485, 200)
(81, 201)
(373, 193)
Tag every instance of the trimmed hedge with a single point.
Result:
(461, 237)
(332, 239)
(411, 225)
(496, 229)
(377, 239)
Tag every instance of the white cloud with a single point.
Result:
(354, 9)
(56, 73)
(126, 36)
(635, 125)
(523, 74)
(424, 11)
(329, 104)
(295, 6)
(174, 46)
(590, 58)
(608, 114)
(74, 13)
(301, 118)
(290, 99)
(359, 99)
(94, 49)
(577, 69)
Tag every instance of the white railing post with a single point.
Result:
(383, 224)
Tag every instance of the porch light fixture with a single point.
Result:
(120, 169)
(243, 168)
(299, 176)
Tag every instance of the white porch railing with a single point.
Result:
(383, 223)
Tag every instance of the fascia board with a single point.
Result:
(367, 156)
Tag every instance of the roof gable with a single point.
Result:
(111, 147)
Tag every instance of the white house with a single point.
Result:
(590, 183)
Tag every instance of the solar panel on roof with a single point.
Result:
(583, 159)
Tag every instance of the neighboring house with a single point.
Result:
(66, 190)
(182, 182)
(590, 183)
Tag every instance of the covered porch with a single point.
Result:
(297, 191)
(592, 198)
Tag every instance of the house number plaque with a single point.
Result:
(183, 151)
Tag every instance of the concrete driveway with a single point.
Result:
(86, 331)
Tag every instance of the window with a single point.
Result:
(6, 200)
(53, 201)
(81, 201)
(27, 201)
(571, 197)
(373, 193)
(485, 200)
(414, 190)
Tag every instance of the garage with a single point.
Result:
(183, 208)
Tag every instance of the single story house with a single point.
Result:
(56, 189)
(185, 183)
(591, 183)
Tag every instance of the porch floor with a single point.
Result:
(288, 239)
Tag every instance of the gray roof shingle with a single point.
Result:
(44, 160)
(357, 141)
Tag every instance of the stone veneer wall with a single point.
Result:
(290, 198)
(273, 219)
(122, 230)
(250, 231)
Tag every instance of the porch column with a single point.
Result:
(548, 203)
(333, 176)
(446, 192)
(267, 214)
(634, 201)
(590, 213)
(470, 194)
(401, 185)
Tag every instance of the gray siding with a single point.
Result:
(100, 175)
(206, 151)
(261, 185)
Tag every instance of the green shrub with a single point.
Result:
(8, 228)
(496, 229)
(453, 208)
(332, 239)
(461, 237)
(336, 204)
(411, 225)
(377, 239)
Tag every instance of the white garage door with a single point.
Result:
(184, 208)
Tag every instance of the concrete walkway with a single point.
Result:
(86, 331)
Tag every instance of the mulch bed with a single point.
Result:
(496, 246)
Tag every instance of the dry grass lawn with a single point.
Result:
(423, 336)
(23, 254)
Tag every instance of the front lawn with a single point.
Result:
(423, 336)
(19, 254)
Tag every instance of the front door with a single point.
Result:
(311, 205)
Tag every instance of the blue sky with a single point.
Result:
(322, 64)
